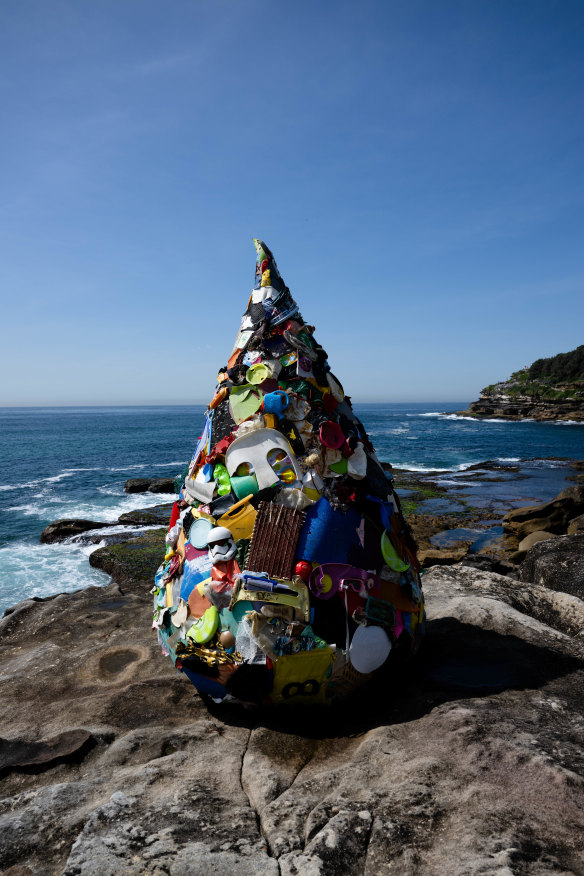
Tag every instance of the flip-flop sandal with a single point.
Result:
(295, 341)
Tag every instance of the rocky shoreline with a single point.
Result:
(549, 389)
(454, 514)
(498, 405)
(470, 761)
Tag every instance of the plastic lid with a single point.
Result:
(199, 531)
(369, 648)
(258, 372)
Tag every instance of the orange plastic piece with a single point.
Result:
(218, 398)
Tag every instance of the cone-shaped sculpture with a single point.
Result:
(290, 574)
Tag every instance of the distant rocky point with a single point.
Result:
(550, 389)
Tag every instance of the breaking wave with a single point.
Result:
(40, 570)
(410, 466)
(107, 512)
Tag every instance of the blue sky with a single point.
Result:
(417, 169)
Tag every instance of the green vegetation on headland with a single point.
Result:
(564, 366)
(549, 389)
(555, 378)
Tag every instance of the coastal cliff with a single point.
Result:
(549, 389)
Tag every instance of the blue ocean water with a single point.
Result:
(73, 462)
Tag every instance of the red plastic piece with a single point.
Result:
(303, 569)
(175, 514)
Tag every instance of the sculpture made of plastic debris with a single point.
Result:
(290, 574)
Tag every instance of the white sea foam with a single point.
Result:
(52, 479)
(546, 463)
(87, 549)
(568, 423)
(112, 490)
(37, 482)
(58, 508)
(453, 482)
(508, 459)
(410, 466)
(139, 466)
(29, 570)
(485, 419)
(443, 416)
(116, 529)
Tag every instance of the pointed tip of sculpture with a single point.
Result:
(266, 270)
(262, 250)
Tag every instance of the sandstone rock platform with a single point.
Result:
(470, 761)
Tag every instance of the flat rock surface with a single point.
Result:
(576, 525)
(133, 558)
(59, 530)
(526, 543)
(551, 516)
(23, 755)
(470, 761)
(533, 538)
(557, 563)
(149, 485)
(159, 515)
(435, 557)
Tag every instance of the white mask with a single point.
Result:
(267, 454)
